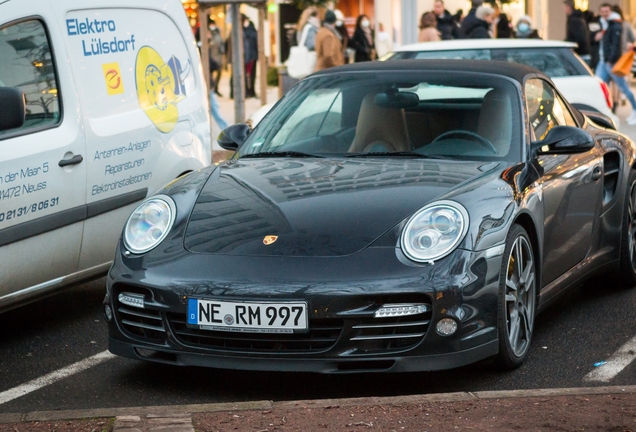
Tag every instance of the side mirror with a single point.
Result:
(232, 137)
(564, 140)
(12, 108)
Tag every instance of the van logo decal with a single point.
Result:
(112, 76)
(160, 87)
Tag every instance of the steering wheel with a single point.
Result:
(472, 136)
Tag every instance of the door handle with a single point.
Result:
(597, 173)
(72, 161)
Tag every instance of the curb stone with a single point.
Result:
(155, 412)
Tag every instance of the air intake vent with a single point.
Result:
(138, 323)
(377, 335)
(321, 336)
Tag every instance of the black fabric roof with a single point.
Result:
(512, 70)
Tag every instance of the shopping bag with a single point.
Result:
(623, 66)
(301, 61)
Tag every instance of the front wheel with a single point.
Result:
(517, 299)
(627, 272)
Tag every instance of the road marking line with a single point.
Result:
(53, 377)
(616, 363)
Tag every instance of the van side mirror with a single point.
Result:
(232, 137)
(12, 108)
(564, 140)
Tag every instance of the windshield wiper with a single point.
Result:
(397, 154)
(281, 154)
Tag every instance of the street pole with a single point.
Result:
(205, 52)
(238, 68)
(261, 53)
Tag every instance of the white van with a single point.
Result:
(102, 102)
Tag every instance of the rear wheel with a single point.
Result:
(517, 299)
(627, 272)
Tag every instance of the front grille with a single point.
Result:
(376, 335)
(139, 323)
(322, 335)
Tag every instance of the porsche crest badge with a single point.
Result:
(268, 240)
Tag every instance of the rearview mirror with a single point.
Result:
(232, 137)
(396, 99)
(564, 140)
(12, 108)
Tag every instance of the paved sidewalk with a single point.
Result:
(573, 409)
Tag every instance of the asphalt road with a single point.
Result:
(586, 327)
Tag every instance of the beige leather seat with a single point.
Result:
(495, 120)
(380, 128)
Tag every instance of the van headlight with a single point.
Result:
(434, 231)
(149, 224)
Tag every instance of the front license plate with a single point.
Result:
(247, 317)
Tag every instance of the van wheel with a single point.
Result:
(517, 299)
(627, 270)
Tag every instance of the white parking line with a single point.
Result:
(616, 363)
(53, 377)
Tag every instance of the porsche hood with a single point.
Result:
(314, 207)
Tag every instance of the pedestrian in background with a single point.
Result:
(627, 44)
(481, 26)
(309, 23)
(576, 30)
(502, 26)
(363, 40)
(383, 43)
(610, 52)
(447, 24)
(470, 19)
(594, 27)
(216, 49)
(524, 30)
(428, 28)
(328, 44)
(250, 56)
(342, 29)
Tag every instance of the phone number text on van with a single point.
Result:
(32, 208)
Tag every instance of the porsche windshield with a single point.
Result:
(394, 114)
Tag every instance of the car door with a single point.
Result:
(42, 177)
(571, 185)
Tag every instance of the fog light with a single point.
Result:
(395, 310)
(446, 327)
(108, 313)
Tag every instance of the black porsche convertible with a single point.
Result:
(399, 216)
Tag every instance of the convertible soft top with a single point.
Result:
(511, 70)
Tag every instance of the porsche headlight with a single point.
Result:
(149, 224)
(434, 231)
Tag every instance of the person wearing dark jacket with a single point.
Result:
(363, 40)
(469, 20)
(611, 50)
(576, 29)
(446, 23)
(503, 27)
(250, 55)
(480, 28)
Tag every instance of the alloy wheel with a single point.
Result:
(520, 296)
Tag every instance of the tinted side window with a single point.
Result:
(26, 62)
(546, 109)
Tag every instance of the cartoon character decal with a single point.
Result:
(160, 87)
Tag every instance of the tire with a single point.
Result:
(517, 299)
(627, 269)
